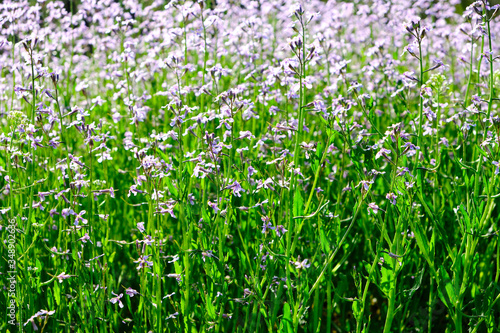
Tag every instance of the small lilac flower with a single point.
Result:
(214, 206)
(85, 238)
(409, 149)
(251, 171)
(116, 299)
(207, 254)
(178, 277)
(373, 207)
(267, 225)
(246, 292)
(37, 205)
(63, 276)
(172, 316)
(236, 187)
(444, 141)
(302, 264)
(409, 184)
(191, 199)
(143, 262)
(42, 314)
(67, 212)
(246, 135)
(79, 218)
(391, 197)
(429, 114)
(280, 230)
(383, 152)
(347, 189)
(497, 164)
(402, 171)
(365, 184)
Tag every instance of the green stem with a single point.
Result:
(298, 137)
(421, 117)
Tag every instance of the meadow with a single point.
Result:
(249, 166)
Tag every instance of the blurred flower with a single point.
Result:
(117, 299)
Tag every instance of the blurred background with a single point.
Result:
(464, 3)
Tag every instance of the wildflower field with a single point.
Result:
(249, 166)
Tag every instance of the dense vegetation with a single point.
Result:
(249, 166)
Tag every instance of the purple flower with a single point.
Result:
(497, 164)
(251, 171)
(85, 238)
(302, 264)
(63, 276)
(37, 205)
(67, 212)
(372, 207)
(402, 171)
(365, 184)
(117, 299)
(429, 114)
(383, 152)
(267, 225)
(214, 206)
(280, 230)
(79, 218)
(143, 262)
(42, 314)
(444, 141)
(236, 187)
(391, 197)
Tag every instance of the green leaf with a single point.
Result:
(466, 218)
(111, 257)
(324, 242)
(205, 216)
(50, 298)
(39, 265)
(386, 278)
(163, 155)
(263, 312)
(171, 188)
(421, 239)
(287, 318)
(175, 161)
(210, 308)
(323, 120)
(467, 180)
(482, 152)
(446, 290)
(464, 166)
(319, 150)
(186, 174)
(298, 203)
(57, 293)
(315, 164)
(418, 281)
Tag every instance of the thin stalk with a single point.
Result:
(490, 102)
(27, 233)
(469, 80)
(205, 59)
(298, 137)
(421, 116)
(311, 193)
(394, 248)
(431, 303)
(490, 56)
